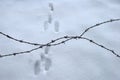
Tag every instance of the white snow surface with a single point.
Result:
(75, 60)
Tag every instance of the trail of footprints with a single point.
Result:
(44, 63)
(50, 20)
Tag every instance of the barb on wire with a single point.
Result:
(109, 21)
(21, 41)
(34, 49)
(61, 40)
(17, 53)
(90, 40)
(30, 43)
(50, 44)
(112, 51)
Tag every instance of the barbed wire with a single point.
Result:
(112, 51)
(63, 39)
(96, 25)
(21, 41)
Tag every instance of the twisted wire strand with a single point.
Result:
(64, 40)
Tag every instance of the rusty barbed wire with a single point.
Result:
(64, 40)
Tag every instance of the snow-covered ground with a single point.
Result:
(75, 60)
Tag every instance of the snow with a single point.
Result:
(75, 60)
